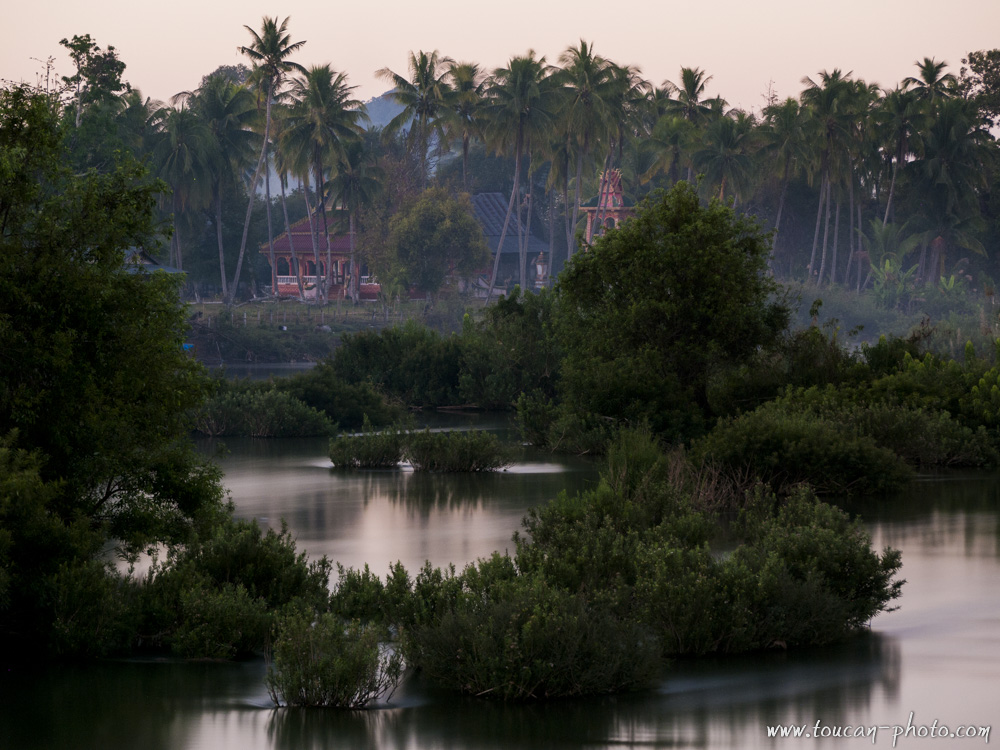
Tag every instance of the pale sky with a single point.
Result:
(743, 44)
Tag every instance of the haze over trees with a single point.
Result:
(833, 170)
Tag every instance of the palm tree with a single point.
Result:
(667, 146)
(519, 105)
(724, 157)
(424, 96)
(826, 102)
(948, 174)
(932, 83)
(355, 184)
(229, 113)
(784, 146)
(898, 117)
(587, 80)
(321, 121)
(269, 52)
(689, 91)
(180, 158)
(465, 99)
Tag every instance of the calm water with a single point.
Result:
(938, 656)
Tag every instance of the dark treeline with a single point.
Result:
(884, 189)
(666, 345)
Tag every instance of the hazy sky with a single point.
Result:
(744, 45)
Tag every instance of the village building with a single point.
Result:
(284, 274)
(491, 209)
(608, 208)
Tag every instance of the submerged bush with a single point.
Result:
(325, 662)
(784, 447)
(218, 597)
(368, 449)
(474, 450)
(608, 580)
(517, 637)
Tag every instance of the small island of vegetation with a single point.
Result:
(665, 345)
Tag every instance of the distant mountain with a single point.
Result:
(382, 109)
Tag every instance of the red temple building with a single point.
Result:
(609, 208)
(284, 274)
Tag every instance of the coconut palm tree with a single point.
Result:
(725, 157)
(229, 113)
(826, 100)
(898, 117)
(519, 106)
(948, 175)
(356, 181)
(322, 120)
(587, 82)
(269, 52)
(464, 106)
(932, 83)
(181, 159)
(784, 146)
(424, 96)
(690, 91)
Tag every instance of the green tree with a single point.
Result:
(519, 104)
(587, 80)
(355, 184)
(95, 386)
(269, 51)
(229, 113)
(657, 306)
(435, 236)
(465, 100)
(424, 96)
(181, 158)
(322, 120)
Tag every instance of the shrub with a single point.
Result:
(346, 404)
(220, 623)
(784, 446)
(324, 662)
(217, 597)
(512, 637)
(369, 449)
(410, 363)
(259, 410)
(474, 450)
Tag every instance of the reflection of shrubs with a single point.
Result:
(324, 662)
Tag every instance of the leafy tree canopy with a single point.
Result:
(654, 308)
(436, 235)
(93, 376)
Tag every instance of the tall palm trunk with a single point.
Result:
(291, 243)
(826, 234)
(313, 234)
(218, 238)
(836, 244)
(253, 194)
(576, 206)
(270, 230)
(506, 219)
(819, 218)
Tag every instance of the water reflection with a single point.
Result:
(937, 656)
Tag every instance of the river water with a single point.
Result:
(937, 657)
